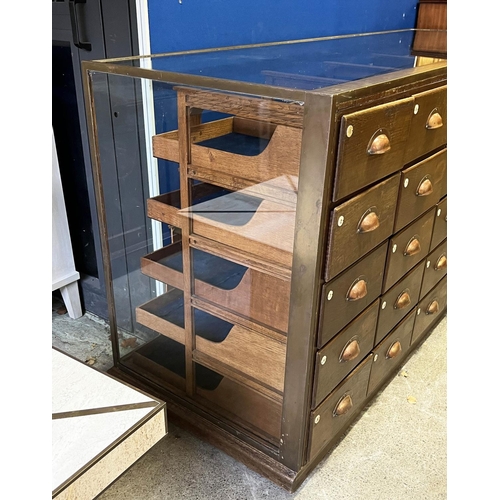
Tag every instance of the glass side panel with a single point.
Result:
(304, 65)
(200, 197)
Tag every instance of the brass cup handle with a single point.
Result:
(434, 121)
(357, 290)
(350, 351)
(413, 247)
(432, 308)
(441, 263)
(369, 222)
(403, 300)
(394, 350)
(379, 144)
(424, 187)
(343, 406)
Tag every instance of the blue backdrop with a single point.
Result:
(193, 24)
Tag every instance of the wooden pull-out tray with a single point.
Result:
(238, 147)
(250, 293)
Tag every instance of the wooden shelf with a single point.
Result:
(250, 293)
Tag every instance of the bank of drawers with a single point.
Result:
(386, 264)
(378, 141)
(355, 364)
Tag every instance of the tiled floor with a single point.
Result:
(396, 450)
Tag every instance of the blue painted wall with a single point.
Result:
(193, 24)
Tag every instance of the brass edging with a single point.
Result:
(103, 409)
(260, 45)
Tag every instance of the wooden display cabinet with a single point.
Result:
(293, 248)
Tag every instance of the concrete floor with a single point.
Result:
(397, 449)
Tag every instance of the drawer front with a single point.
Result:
(422, 186)
(435, 268)
(397, 302)
(388, 354)
(238, 403)
(351, 292)
(429, 309)
(337, 411)
(164, 314)
(239, 350)
(371, 145)
(249, 293)
(440, 230)
(360, 224)
(343, 353)
(428, 123)
(252, 294)
(407, 248)
(248, 223)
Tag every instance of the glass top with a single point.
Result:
(297, 64)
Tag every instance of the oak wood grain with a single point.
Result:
(245, 406)
(253, 355)
(278, 112)
(440, 230)
(423, 139)
(423, 320)
(346, 243)
(157, 315)
(390, 312)
(433, 273)
(383, 365)
(410, 204)
(355, 167)
(398, 261)
(337, 311)
(324, 425)
(330, 369)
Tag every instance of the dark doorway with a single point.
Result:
(84, 30)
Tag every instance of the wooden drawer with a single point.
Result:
(164, 314)
(253, 220)
(221, 343)
(422, 186)
(163, 361)
(234, 146)
(371, 145)
(258, 226)
(428, 124)
(435, 268)
(429, 309)
(388, 354)
(344, 352)
(238, 403)
(360, 224)
(440, 230)
(166, 206)
(397, 302)
(332, 416)
(253, 358)
(407, 248)
(350, 293)
(250, 293)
